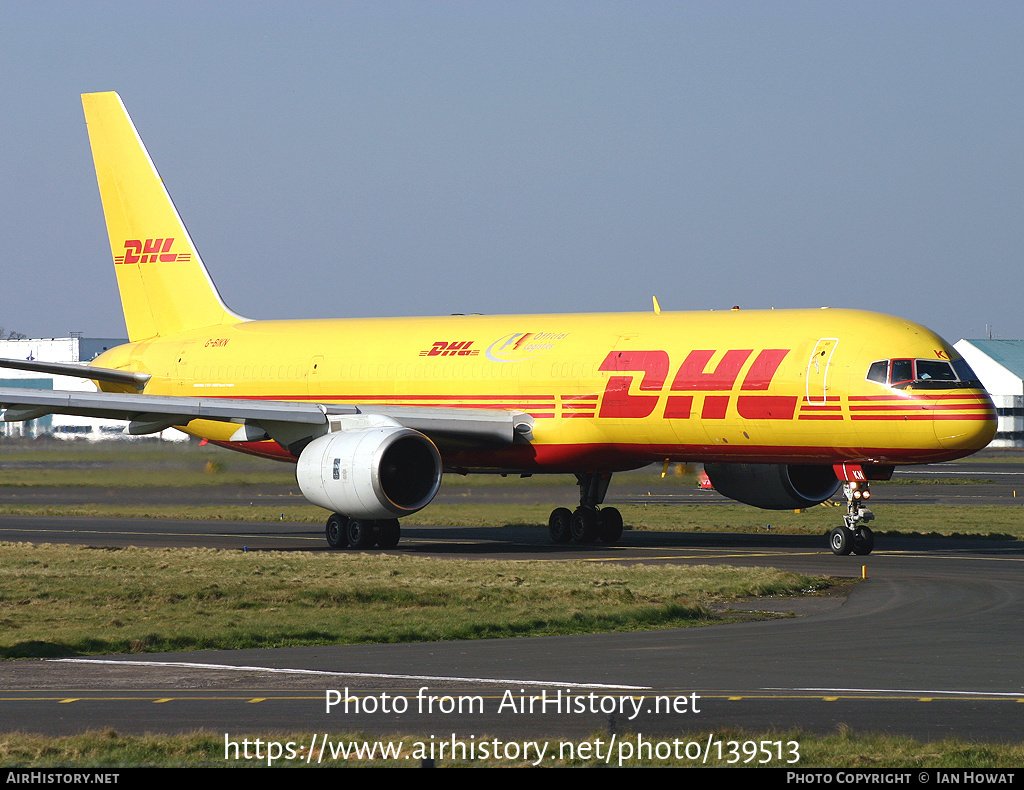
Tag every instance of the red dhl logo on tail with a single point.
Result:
(150, 251)
(691, 377)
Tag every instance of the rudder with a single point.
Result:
(163, 283)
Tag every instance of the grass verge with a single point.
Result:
(844, 749)
(65, 600)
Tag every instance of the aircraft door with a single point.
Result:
(817, 369)
(315, 379)
(183, 369)
(634, 377)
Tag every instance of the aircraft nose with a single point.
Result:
(969, 426)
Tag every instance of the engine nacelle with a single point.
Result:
(381, 472)
(774, 486)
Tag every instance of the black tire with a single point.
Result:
(337, 531)
(610, 520)
(840, 540)
(584, 525)
(863, 541)
(390, 532)
(560, 525)
(361, 533)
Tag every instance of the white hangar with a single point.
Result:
(1000, 366)
(75, 349)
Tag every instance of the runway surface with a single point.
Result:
(929, 645)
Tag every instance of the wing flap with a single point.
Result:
(447, 424)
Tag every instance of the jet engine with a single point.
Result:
(774, 486)
(380, 472)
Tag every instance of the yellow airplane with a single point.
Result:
(783, 407)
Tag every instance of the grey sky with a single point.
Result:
(358, 159)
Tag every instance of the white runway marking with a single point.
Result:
(502, 681)
(916, 692)
(953, 472)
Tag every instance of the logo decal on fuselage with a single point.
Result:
(453, 348)
(694, 379)
(520, 346)
(150, 251)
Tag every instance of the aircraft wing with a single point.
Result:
(288, 422)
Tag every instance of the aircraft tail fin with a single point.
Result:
(163, 283)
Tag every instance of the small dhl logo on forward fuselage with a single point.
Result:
(459, 348)
(150, 251)
(693, 377)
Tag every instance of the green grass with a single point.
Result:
(1008, 455)
(844, 749)
(990, 521)
(64, 600)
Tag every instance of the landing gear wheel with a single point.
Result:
(610, 521)
(584, 525)
(840, 540)
(863, 540)
(337, 531)
(560, 525)
(361, 533)
(390, 533)
(857, 537)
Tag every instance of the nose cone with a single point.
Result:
(967, 423)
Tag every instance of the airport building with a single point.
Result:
(1000, 366)
(75, 349)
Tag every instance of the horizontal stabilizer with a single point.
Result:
(79, 371)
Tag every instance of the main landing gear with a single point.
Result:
(588, 522)
(854, 536)
(358, 533)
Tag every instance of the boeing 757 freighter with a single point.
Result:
(783, 407)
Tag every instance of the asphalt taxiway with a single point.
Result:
(929, 645)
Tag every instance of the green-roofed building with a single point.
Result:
(1000, 367)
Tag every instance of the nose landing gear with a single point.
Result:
(854, 536)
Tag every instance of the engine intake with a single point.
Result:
(378, 472)
(774, 486)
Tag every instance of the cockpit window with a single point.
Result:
(934, 370)
(922, 373)
(964, 372)
(879, 371)
(902, 371)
